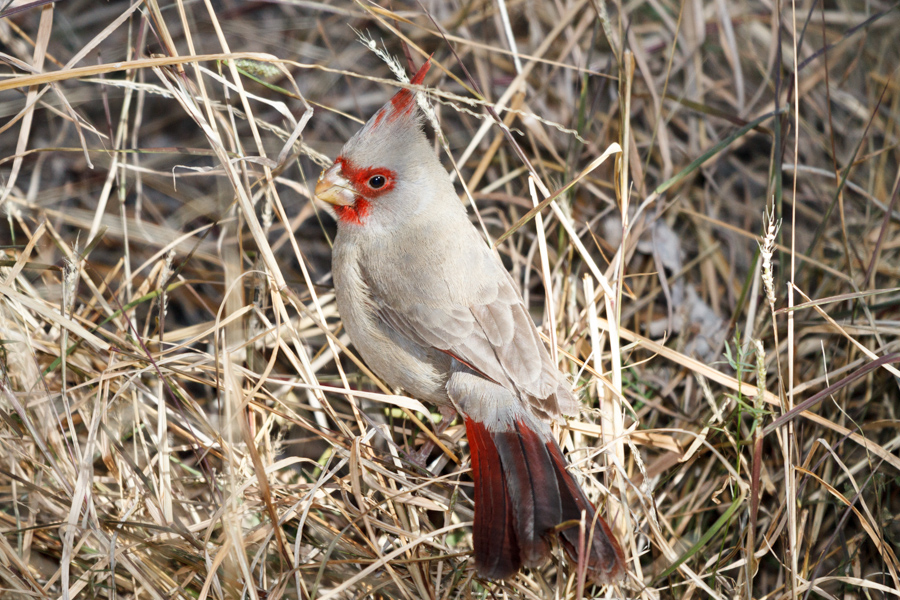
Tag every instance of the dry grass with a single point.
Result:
(211, 435)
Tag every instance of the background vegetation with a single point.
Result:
(211, 434)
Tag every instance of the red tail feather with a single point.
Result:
(496, 549)
(604, 557)
(533, 489)
(522, 493)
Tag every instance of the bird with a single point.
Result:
(433, 311)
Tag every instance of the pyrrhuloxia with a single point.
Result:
(432, 310)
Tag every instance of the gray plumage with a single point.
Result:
(432, 310)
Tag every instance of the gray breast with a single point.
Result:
(399, 361)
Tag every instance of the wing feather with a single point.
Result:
(478, 317)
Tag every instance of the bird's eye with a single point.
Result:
(377, 181)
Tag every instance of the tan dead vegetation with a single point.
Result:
(210, 434)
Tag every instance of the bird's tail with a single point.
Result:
(522, 493)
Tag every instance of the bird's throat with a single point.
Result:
(353, 214)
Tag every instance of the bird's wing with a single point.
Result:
(475, 315)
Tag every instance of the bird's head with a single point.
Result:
(383, 174)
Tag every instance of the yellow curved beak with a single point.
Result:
(333, 188)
